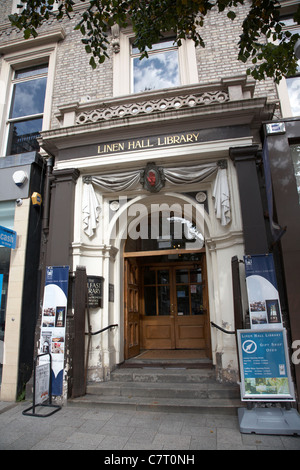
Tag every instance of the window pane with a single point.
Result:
(163, 300)
(293, 85)
(150, 300)
(182, 276)
(163, 277)
(149, 276)
(23, 136)
(196, 275)
(158, 71)
(183, 301)
(31, 72)
(28, 98)
(197, 299)
(160, 45)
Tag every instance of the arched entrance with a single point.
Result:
(165, 289)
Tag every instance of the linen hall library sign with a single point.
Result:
(145, 143)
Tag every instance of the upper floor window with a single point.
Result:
(167, 65)
(17, 6)
(292, 83)
(159, 70)
(26, 109)
(293, 86)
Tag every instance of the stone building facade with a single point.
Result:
(117, 158)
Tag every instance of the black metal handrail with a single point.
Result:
(222, 329)
(101, 331)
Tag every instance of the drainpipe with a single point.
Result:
(46, 212)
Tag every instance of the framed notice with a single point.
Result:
(264, 365)
(95, 291)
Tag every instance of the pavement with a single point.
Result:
(113, 432)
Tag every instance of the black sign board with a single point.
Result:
(95, 291)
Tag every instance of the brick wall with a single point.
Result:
(75, 79)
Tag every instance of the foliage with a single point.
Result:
(151, 18)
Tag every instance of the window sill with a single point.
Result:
(18, 45)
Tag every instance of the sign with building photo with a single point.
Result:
(54, 322)
(264, 365)
(263, 296)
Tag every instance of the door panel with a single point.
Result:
(190, 333)
(157, 333)
(131, 308)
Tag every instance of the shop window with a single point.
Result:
(159, 70)
(295, 153)
(27, 109)
(7, 212)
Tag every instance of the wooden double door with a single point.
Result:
(166, 306)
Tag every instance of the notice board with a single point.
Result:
(264, 365)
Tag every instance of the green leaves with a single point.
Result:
(263, 43)
(266, 43)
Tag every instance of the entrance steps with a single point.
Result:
(166, 389)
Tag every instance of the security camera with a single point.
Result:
(19, 202)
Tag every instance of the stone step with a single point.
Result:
(164, 405)
(164, 390)
(164, 375)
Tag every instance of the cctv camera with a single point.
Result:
(19, 202)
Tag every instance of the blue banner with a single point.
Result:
(263, 297)
(264, 364)
(8, 237)
(54, 322)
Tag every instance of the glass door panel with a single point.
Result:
(183, 302)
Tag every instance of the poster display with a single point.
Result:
(54, 322)
(263, 297)
(264, 365)
(42, 378)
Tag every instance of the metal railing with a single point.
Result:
(101, 331)
(222, 329)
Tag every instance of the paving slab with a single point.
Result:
(140, 432)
